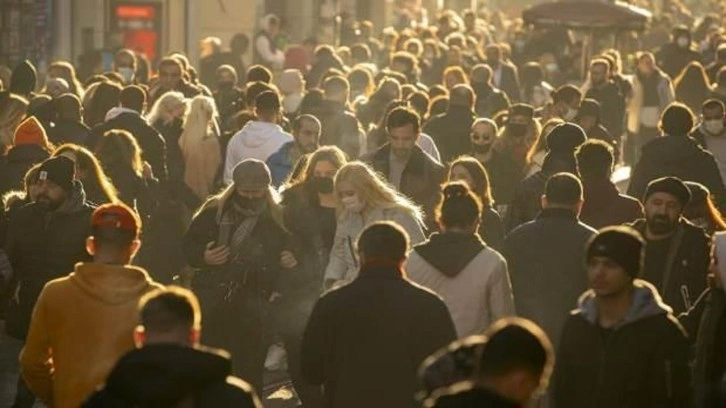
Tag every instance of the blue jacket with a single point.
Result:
(280, 164)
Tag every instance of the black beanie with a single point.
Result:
(565, 138)
(60, 170)
(671, 185)
(621, 244)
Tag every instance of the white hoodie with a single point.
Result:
(257, 140)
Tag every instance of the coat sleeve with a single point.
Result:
(670, 379)
(231, 160)
(315, 345)
(413, 227)
(499, 288)
(565, 376)
(336, 265)
(639, 178)
(196, 239)
(514, 215)
(36, 357)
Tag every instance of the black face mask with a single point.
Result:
(323, 185)
(517, 129)
(481, 148)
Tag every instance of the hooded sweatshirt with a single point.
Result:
(471, 277)
(257, 140)
(85, 323)
(24, 79)
(643, 361)
(163, 375)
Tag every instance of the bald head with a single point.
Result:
(462, 96)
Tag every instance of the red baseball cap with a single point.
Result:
(117, 216)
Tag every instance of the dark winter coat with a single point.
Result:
(672, 59)
(686, 265)
(509, 82)
(504, 176)
(605, 206)
(491, 229)
(709, 367)
(450, 131)
(490, 101)
(133, 189)
(339, 127)
(153, 146)
(365, 340)
(17, 163)
(545, 282)
(612, 107)
(166, 375)
(678, 156)
(527, 201)
(642, 362)
(68, 131)
(311, 237)
(41, 247)
(420, 181)
(235, 296)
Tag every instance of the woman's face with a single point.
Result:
(460, 173)
(345, 189)
(324, 169)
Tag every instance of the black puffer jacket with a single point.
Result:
(69, 131)
(709, 368)
(642, 362)
(678, 156)
(41, 247)
(168, 375)
(17, 162)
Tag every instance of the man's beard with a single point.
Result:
(45, 203)
(660, 224)
(307, 149)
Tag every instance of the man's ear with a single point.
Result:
(195, 336)
(139, 336)
(91, 246)
(135, 245)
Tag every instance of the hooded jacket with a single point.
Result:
(605, 206)
(641, 362)
(679, 156)
(23, 80)
(43, 246)
(471, 278)
(84, 323)
(281, 163)
(164, 375)
(257, 140)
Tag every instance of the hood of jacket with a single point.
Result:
(27, 153)
(257, 133)
(163, 374)
(646, 303)
(23, 79)
(117, 111)
(111, 284)
(450, 252)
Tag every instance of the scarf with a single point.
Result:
(235, 227)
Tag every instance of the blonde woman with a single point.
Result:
(199, 143)
(363, 199)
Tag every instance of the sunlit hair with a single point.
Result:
(482, 187)
(12, 112)
(330, 154)
(117, 148)
(372, 190)
(457, 73)
(68, 72)
(541, 143)
(199, 122)
(163, 107)
(86, 162)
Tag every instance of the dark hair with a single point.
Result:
(566, 93)
(311, 102)
(258, 73)
(595, 158)
(480, 176)
(563, 189)
(360, 52)
(714, 104)
(268, 101)
(516, 344)
(68, 107)
(461, 95)
(297, 123)
(459, 207)
(701, 205)
(254, 90)
(105, 96)
(677, 120)
(336, 85)
(239, 44)
(169, 310)
(133, 97)
(438, 105)
(403, 116)
(385, 241)
(172, 61)
(438, 90)
(406, 58)
(419, 101)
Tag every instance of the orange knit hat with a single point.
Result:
(30, 131)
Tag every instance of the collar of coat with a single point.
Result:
(557, 213)
(416, 162)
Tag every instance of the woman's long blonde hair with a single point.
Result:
(374, 192)
(163, 107)
(84, 160)
(199, 122)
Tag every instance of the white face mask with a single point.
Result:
(127, 73)
(683, 42)
(570, 115)
(714, 126)
(352, 203)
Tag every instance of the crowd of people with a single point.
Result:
(433, 216)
